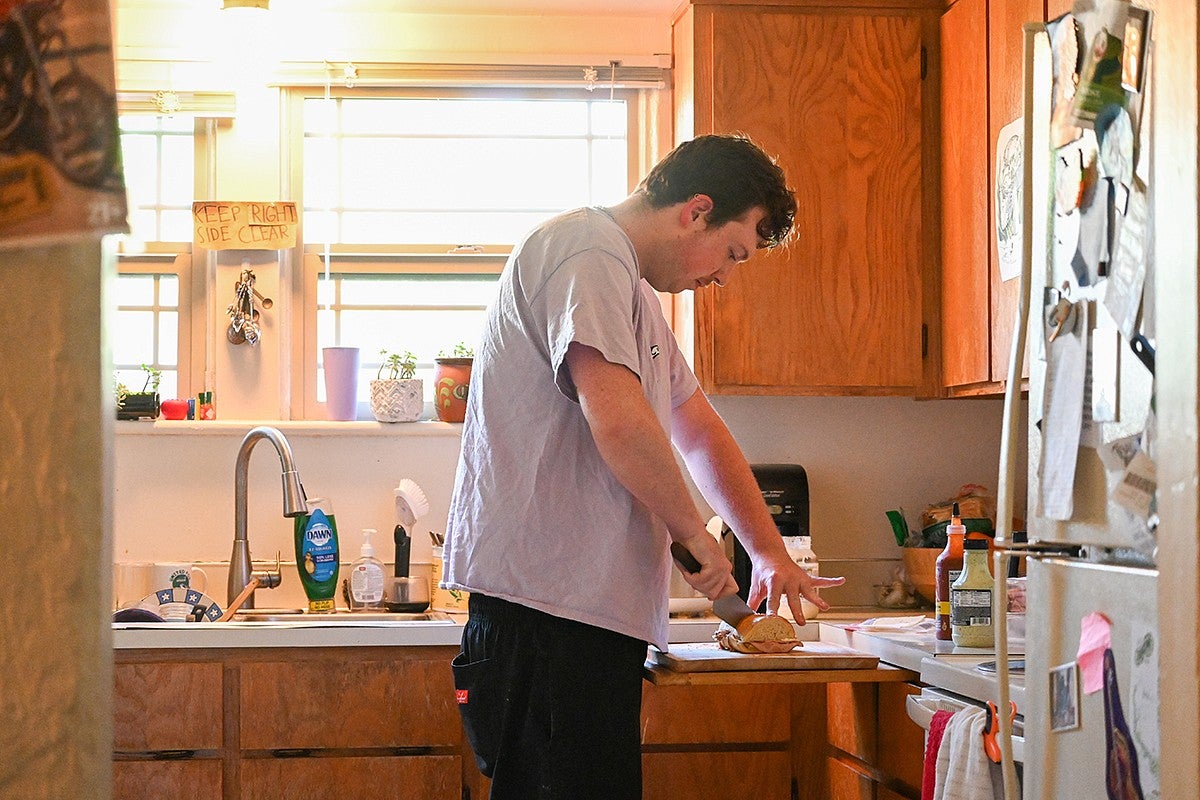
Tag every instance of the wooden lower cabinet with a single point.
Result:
(396, 778)
(875, 750)
(716, 775)
(847, 782)
(288, 724)
(716, 742)
(153, 780)
(793, 741)
(296, 723)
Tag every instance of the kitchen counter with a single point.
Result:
(345, 631)
(339, 631)
(940, 663)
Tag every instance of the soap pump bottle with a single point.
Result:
(366, 577)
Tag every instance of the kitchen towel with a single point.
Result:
(963, 769)
(933, 743)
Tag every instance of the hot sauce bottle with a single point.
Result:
(949, 565)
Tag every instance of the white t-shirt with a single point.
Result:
(537, 517)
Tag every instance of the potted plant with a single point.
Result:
(451, 379)
(135, 405)
(399, 397)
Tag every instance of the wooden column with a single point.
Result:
(56, 428)
(1173, 184)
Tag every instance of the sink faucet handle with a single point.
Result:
(269, 579)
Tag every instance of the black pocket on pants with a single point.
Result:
(480, 705)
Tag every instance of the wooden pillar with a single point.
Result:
(56, 431)
(1177, 302)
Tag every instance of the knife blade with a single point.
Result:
(730, 607)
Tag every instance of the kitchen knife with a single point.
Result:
(730, 607)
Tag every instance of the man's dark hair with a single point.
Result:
(735, 173)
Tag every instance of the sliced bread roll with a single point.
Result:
(761, 633)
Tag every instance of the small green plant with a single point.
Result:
(461, 350)
(120, 391)
(398, 366)
(153, 377)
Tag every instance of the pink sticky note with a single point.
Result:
(1095, 636)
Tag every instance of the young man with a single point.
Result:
(568, 494)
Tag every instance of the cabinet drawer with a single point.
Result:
(847, 783)
(715, 714)
(167, 706)
(716, 776)
(154, 780)
(348, 703)
(852, 719)
(399, 778)
(901, 741)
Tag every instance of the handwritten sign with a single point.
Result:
(226, 225)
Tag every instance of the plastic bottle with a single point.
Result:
(366, 577)
(971, 598)
(948, 566)
(317, 554)
(799, 548)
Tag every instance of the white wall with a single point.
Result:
(174, 485)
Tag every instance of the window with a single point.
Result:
(413, 312)
(152, 322)
(158, 155)
(457, 169)
(412, 200)
(146, 331)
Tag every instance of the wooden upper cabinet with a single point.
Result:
(1006, 57)
(982, 60)
(966, 279)
(836, 94)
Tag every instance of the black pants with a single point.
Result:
(550, 706)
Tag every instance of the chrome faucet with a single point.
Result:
(294, 505)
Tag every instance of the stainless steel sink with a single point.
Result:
(296, 616)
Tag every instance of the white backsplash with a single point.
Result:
(174, 483)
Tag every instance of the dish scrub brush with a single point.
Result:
(411, 503)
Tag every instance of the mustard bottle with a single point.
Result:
(971, 598)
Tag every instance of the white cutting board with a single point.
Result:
(709, 657)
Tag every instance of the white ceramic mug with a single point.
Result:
(175, 574)
(131, 583)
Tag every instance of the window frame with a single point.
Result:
(163, 257)
(433, 258)
(306, 406)
(179, 265)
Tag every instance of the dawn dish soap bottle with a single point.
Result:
(317, 555)
(366, 578)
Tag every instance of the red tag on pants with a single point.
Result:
(461, 696)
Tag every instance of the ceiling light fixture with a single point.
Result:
(228, 4)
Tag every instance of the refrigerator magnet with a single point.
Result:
(1064, 697)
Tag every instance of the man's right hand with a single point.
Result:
(715, 576)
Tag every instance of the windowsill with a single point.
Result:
(301, 427)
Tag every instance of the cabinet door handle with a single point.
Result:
(291, 752)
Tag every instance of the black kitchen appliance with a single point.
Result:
(784, 488)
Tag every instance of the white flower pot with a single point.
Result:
(400, 400)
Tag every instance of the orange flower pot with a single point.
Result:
(451, 379)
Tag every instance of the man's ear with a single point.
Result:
(696, 209)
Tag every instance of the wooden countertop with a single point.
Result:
(884, 673)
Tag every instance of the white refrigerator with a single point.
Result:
(1092, 639)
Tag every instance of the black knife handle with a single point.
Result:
(685, 558)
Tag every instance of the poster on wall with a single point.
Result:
(60, 149)
(241, 225)
(1010, 157)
